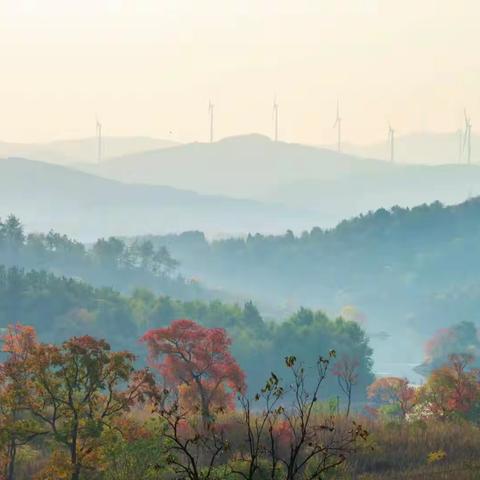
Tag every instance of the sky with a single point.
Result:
(150, 67)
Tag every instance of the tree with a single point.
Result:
(393, 391)
(452, 389)
(12, 235)
(461, 338)
(109, 253)
(346, 371)
(198, 360)
(79, 388)
(193, 449)
(284, 431)
(17, 428)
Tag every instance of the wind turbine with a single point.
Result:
(211, 108)
(275, 117)
(338, 124)
(460, 145)
(391, 139)
(99, 140)
(467, 139)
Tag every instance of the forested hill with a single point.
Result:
(60, 308)
(413, 267)
(108, 262)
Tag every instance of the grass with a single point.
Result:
(418, 450)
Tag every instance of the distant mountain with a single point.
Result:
(331, 185)
(83, 150)
(249, 165)
(420, 148)
(85, 206)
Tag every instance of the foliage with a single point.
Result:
(461, 338)
(17, 428)
(406, 251)
(199, 360)
(59, 308)
(279, 437)
(110, 262)
(393, 392)
(453, 390)
(134, 454)
(73, 392)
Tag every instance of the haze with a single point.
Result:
(149, 67)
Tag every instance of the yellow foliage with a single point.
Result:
(58, 468)
(437, 456)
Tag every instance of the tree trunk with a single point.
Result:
(73, 457)
(206, 417)
(12, 452)
(349, 401)
(76, 472)
(204, 404)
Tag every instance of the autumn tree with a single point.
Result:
(79, 388)
(17, 427)
(393, 391)
(197, 362)
(458, 339)
(452, 389)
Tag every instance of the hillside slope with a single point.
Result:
(426, 148)
(408, 271)
(334, 186)
(82, 150)
(85, 206)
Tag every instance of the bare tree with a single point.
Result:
(295, 441)
(346, 371)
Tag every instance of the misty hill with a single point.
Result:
(83, 150)
(244, 165)
(106, 263)
(59, 308)
(408, 271)
(420, 148)
(331, 185)
(48, 196)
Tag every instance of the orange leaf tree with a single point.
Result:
(80, 388)
(17, 426)
(453, 389)
(393, 391)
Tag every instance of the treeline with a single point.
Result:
(79, 410)
(415, 267)
(59, 307)
(108, 262)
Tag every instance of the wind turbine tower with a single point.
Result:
(391, 139)
(99, 141)
(467, 139)
(211, 108)
(460, 145)
(338, 124)
(275, 118)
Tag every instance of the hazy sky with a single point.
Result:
(149, 67)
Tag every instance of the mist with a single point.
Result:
(221, 216)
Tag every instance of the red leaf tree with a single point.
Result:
(197, 362)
